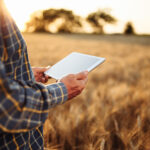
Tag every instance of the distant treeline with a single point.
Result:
(65, 21)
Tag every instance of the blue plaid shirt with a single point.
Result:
(24, 103)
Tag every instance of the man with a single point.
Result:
(24, 103)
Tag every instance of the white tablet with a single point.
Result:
(74, 63)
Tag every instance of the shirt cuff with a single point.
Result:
(58, 92)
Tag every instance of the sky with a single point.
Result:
(136, 11)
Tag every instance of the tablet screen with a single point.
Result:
(74, 63)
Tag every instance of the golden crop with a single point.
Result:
(113, 112)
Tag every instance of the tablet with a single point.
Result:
(74, 63)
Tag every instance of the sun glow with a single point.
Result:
(20, 11)
(136, 11)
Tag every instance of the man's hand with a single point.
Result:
(75, 83)
(39, 74)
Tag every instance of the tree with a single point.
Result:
(69, 21)
(129, 29)
(36, 23)
(98, 19)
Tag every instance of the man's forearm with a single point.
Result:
(25, 105)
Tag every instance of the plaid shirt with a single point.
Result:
(24, 103)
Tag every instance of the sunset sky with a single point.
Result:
(136, 11)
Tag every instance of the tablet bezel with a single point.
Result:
(55, 69)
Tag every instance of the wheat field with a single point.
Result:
(113, 112)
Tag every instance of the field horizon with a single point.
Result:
(113, 112)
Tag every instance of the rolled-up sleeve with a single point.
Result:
(59, 93)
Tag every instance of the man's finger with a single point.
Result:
(48, 67)
(43, 69)
(47, 77)
(43, 80)
(83, 81)
(81, 75)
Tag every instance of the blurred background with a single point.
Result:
(113, 112)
